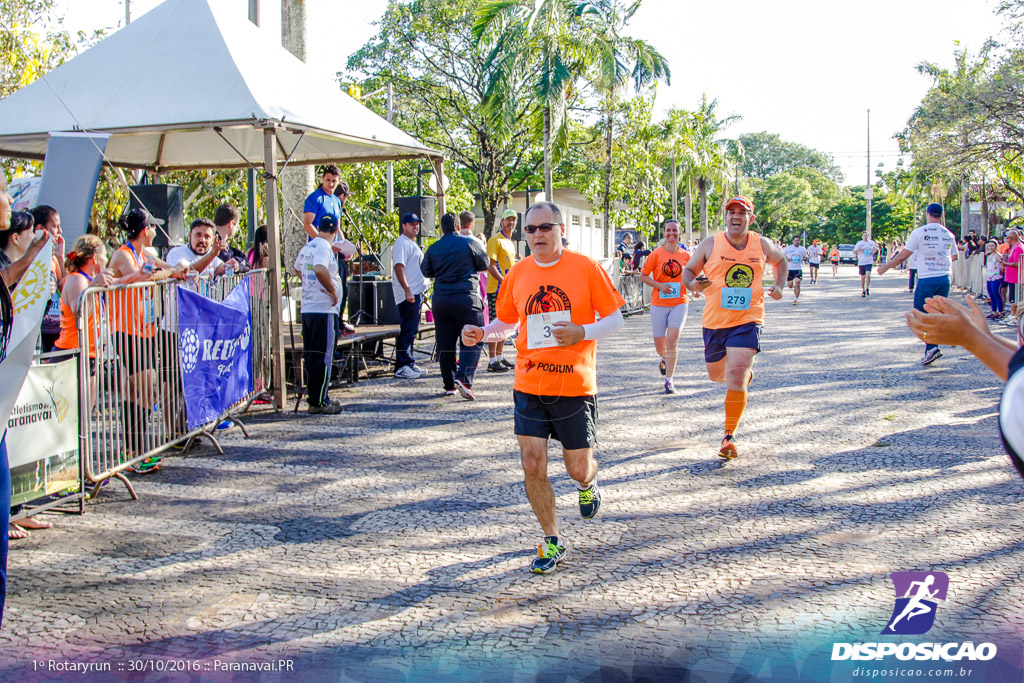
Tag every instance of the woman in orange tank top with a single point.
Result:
(85, 265)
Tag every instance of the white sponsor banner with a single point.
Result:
(30, 299)
(44, 421)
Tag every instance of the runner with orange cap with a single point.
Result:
(733, 262)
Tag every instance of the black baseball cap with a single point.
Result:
(934, 209)
(328, 223)
(138, 220)
(411, 218)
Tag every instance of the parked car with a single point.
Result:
(846, 254)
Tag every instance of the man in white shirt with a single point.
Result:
(814, 254)
(797, 256)
(321, 294)
(201, 252)
(865, 251)
(936, 250)
(408, 285)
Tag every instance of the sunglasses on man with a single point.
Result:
(543, 227)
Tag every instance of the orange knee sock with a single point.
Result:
(735, 404)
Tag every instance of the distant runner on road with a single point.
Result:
(833, 257)
(865, 251)
(814, 254)
(796, 255)
(554, 297)
(734, 262)
(663, 270)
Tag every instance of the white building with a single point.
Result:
(584, 226)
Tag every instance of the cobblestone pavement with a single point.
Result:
(391, 542)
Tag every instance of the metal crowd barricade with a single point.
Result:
(136, 399)
(632, 290)
(969, 273)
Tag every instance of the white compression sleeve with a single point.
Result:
(605, 327)
(497, 331)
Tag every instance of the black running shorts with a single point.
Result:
(746, 336)
(571, 420)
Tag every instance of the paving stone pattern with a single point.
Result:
(391, 542)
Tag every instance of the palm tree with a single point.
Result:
(545, 37)
(710, 159)
(676, 129)
(618, 60)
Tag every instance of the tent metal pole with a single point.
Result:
(439, 174)
(274, 243)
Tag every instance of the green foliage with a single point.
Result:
(638, 193)
(785, 206)
(766, 154)
(891, 220)
(439, 71)
(30, 46)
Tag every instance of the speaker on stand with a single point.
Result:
(163, 202)
(422, 207)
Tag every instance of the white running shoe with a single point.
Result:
(407, 372)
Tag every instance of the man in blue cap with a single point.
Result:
(936, 250)
(408, 286)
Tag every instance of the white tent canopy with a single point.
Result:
(192, 85)
(165, 84)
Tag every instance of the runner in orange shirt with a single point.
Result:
(733, 262)
(554, 297)
(833, 257)
(663, 270)
(133, 315)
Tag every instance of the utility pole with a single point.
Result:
(868, 191)
(127, 12)
(254, 11)
(675, 188)
(390, 192)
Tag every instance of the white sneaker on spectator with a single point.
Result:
(407, 372)
(418, 370)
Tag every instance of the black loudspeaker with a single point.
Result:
(422, 207)
(387, 309)
(517, 234)
(382, 311)
(165, 203)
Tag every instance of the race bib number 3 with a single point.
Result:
(540, 328)
(736, 298)
(674, 290)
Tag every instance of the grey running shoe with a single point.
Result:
(931, 356)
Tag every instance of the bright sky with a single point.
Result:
(805, 69)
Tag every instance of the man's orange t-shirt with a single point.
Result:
(665, 266)
(575, 283)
